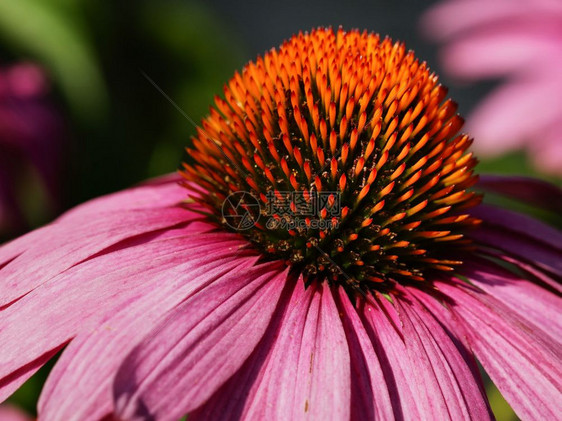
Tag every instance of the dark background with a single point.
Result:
(121, 130)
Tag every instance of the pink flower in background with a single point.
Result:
(30, 142)
(161, 308)
(12, 413)
(519, 41)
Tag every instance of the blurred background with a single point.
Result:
(80, 117)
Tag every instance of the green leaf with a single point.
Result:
(50, 32)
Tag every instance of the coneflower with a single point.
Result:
(323, 258)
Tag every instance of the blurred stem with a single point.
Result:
(44, 30)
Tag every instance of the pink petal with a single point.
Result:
(428, 372)
(323, 365)
(532, 191)
(78, 298)
(74, 390)
(525, 298)
(370, 397)
(244, 392)
(199, 346)
(12, 382)
(546, 150)
(513, 114)
(386, 335)
(450, 387)
(523, 363)
(453, 17)
(515, 48)
(12, 413)
(39, 256)
(300, 369)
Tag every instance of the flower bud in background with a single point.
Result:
(30, 148)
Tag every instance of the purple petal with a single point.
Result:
(199, 346)
(531, 272)
(74, 390)
(520, 236)
(533, 191)
(523, 363)
(31, 135)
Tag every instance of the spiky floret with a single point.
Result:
(361, 118)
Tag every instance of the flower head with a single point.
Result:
(520, 42)
(351, 115)
(166, 308)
